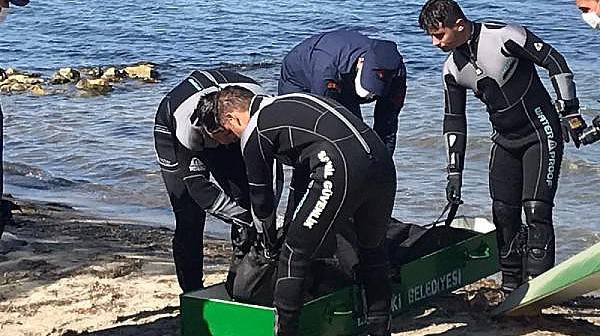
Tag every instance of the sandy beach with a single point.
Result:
(64, 272)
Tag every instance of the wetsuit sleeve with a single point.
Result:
(455, 122)
(520, 42)
(207, 194)
(387, 110)
(258, 157)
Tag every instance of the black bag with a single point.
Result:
(252, 278)
(255, 278)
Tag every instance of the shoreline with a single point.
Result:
(64, 272)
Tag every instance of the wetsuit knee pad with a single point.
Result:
(511, 240)
(540, 237)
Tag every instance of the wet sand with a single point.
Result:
(64, 272)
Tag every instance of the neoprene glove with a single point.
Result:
(245, 219)
(453, 189)
(268, 236)
(573, 127)
(572, 122)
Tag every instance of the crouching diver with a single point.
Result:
(188, 155)
(351, 176)
(497, 61)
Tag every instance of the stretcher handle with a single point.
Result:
(482, 252)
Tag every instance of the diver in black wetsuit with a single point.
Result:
(497, 61)
(351, 176)
(188, 155)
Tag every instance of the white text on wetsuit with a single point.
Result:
(551, 146)
(326, 192)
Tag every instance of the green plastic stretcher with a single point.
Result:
(210, 312)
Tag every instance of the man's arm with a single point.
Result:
(258, 157)
(387, 110)
(455, 132)
(522, 43)
(210, 196)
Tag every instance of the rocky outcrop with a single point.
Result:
(65, 75)
(98, 86)
(144, 71)
(113, 74)
(89, 80)
(14, 81)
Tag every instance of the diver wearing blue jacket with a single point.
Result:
(352, 69)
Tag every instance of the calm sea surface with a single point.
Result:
(97, 153)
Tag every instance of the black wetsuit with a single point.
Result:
(351, 176)
(498, 64)
(187, 158)
(325, 65)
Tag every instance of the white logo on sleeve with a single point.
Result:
(538, 46)
(195, 165)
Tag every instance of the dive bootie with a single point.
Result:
(540, 238)
(511, 238)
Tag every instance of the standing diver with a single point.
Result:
(497, 61)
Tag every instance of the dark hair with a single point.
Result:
(205, 114)
(232, 98)
(434, 12)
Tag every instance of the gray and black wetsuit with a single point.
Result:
(187, 158)
(351, 176)
(498, 64)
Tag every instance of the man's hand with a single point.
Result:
(573, 127)
(333, 89)
(268, 238)
(453, 189)
(572, 122)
